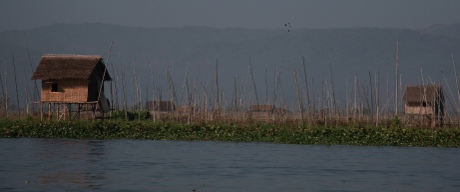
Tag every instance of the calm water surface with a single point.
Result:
(145, 165)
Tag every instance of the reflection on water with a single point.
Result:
(63, 164)
(46, 164)
(144, 165)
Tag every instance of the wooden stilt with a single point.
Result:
(79, 111)
(94, 111)
(49, 111)
(70, 110)
(57, 114)
(41, 111)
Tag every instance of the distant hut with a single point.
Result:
(185, 109)
(73, 79)
(160, 109)
(160, 106)
(262, 112)
(424, 103)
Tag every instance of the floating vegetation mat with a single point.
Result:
(288, 134)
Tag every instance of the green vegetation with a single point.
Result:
(131, 115)
(123, 129)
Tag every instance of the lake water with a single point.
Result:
(146, 165)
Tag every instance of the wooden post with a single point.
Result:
(57, 114)
(70, 110)
(49, 111)
(79, 111)
(94, 110)
(41, 111)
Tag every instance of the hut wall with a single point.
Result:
(418, 110)
(262, 115)
(68, 91)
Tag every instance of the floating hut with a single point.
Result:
(424, 104)
(72, 80)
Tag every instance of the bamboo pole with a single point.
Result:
(189, 97)
(16, 84)
(36, 94)
(371, 107)
(456, 78)
(217, 86)
(377, 98)
(457, 109)
(275, 94)
(138, 93)
(347, 102)
(205, 101)
(333, 103)
(26, 92)
(116, 74)
(6, 92)
(125, 98)
(396, 76)
(153, 93)
(254, 83)
(309, 107)
(172, 89)
(217, 104)
(299, 98)
(355, 103)
(4, 97)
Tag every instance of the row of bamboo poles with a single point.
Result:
(365, 103)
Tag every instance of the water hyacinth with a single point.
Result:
(341, 135)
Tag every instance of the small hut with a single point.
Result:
(262, 112)
(160, 109)
(160, 106)
(424, 103)
(73, 79)
(185, 109)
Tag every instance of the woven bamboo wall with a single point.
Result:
(418, 110)
(69, 91)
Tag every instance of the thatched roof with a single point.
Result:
(422, 93)
(54, 66)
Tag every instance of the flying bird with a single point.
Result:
(288, 25)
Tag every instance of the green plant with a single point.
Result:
(396, 122)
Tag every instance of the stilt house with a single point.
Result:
(73, 79)
(424, 100)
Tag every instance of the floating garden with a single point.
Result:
(294, 133)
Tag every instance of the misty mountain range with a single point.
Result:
(330, 55)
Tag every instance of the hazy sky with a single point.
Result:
(27, 14)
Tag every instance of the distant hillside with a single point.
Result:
(336, 55)
(451, 30)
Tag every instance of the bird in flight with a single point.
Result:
(288, 25)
